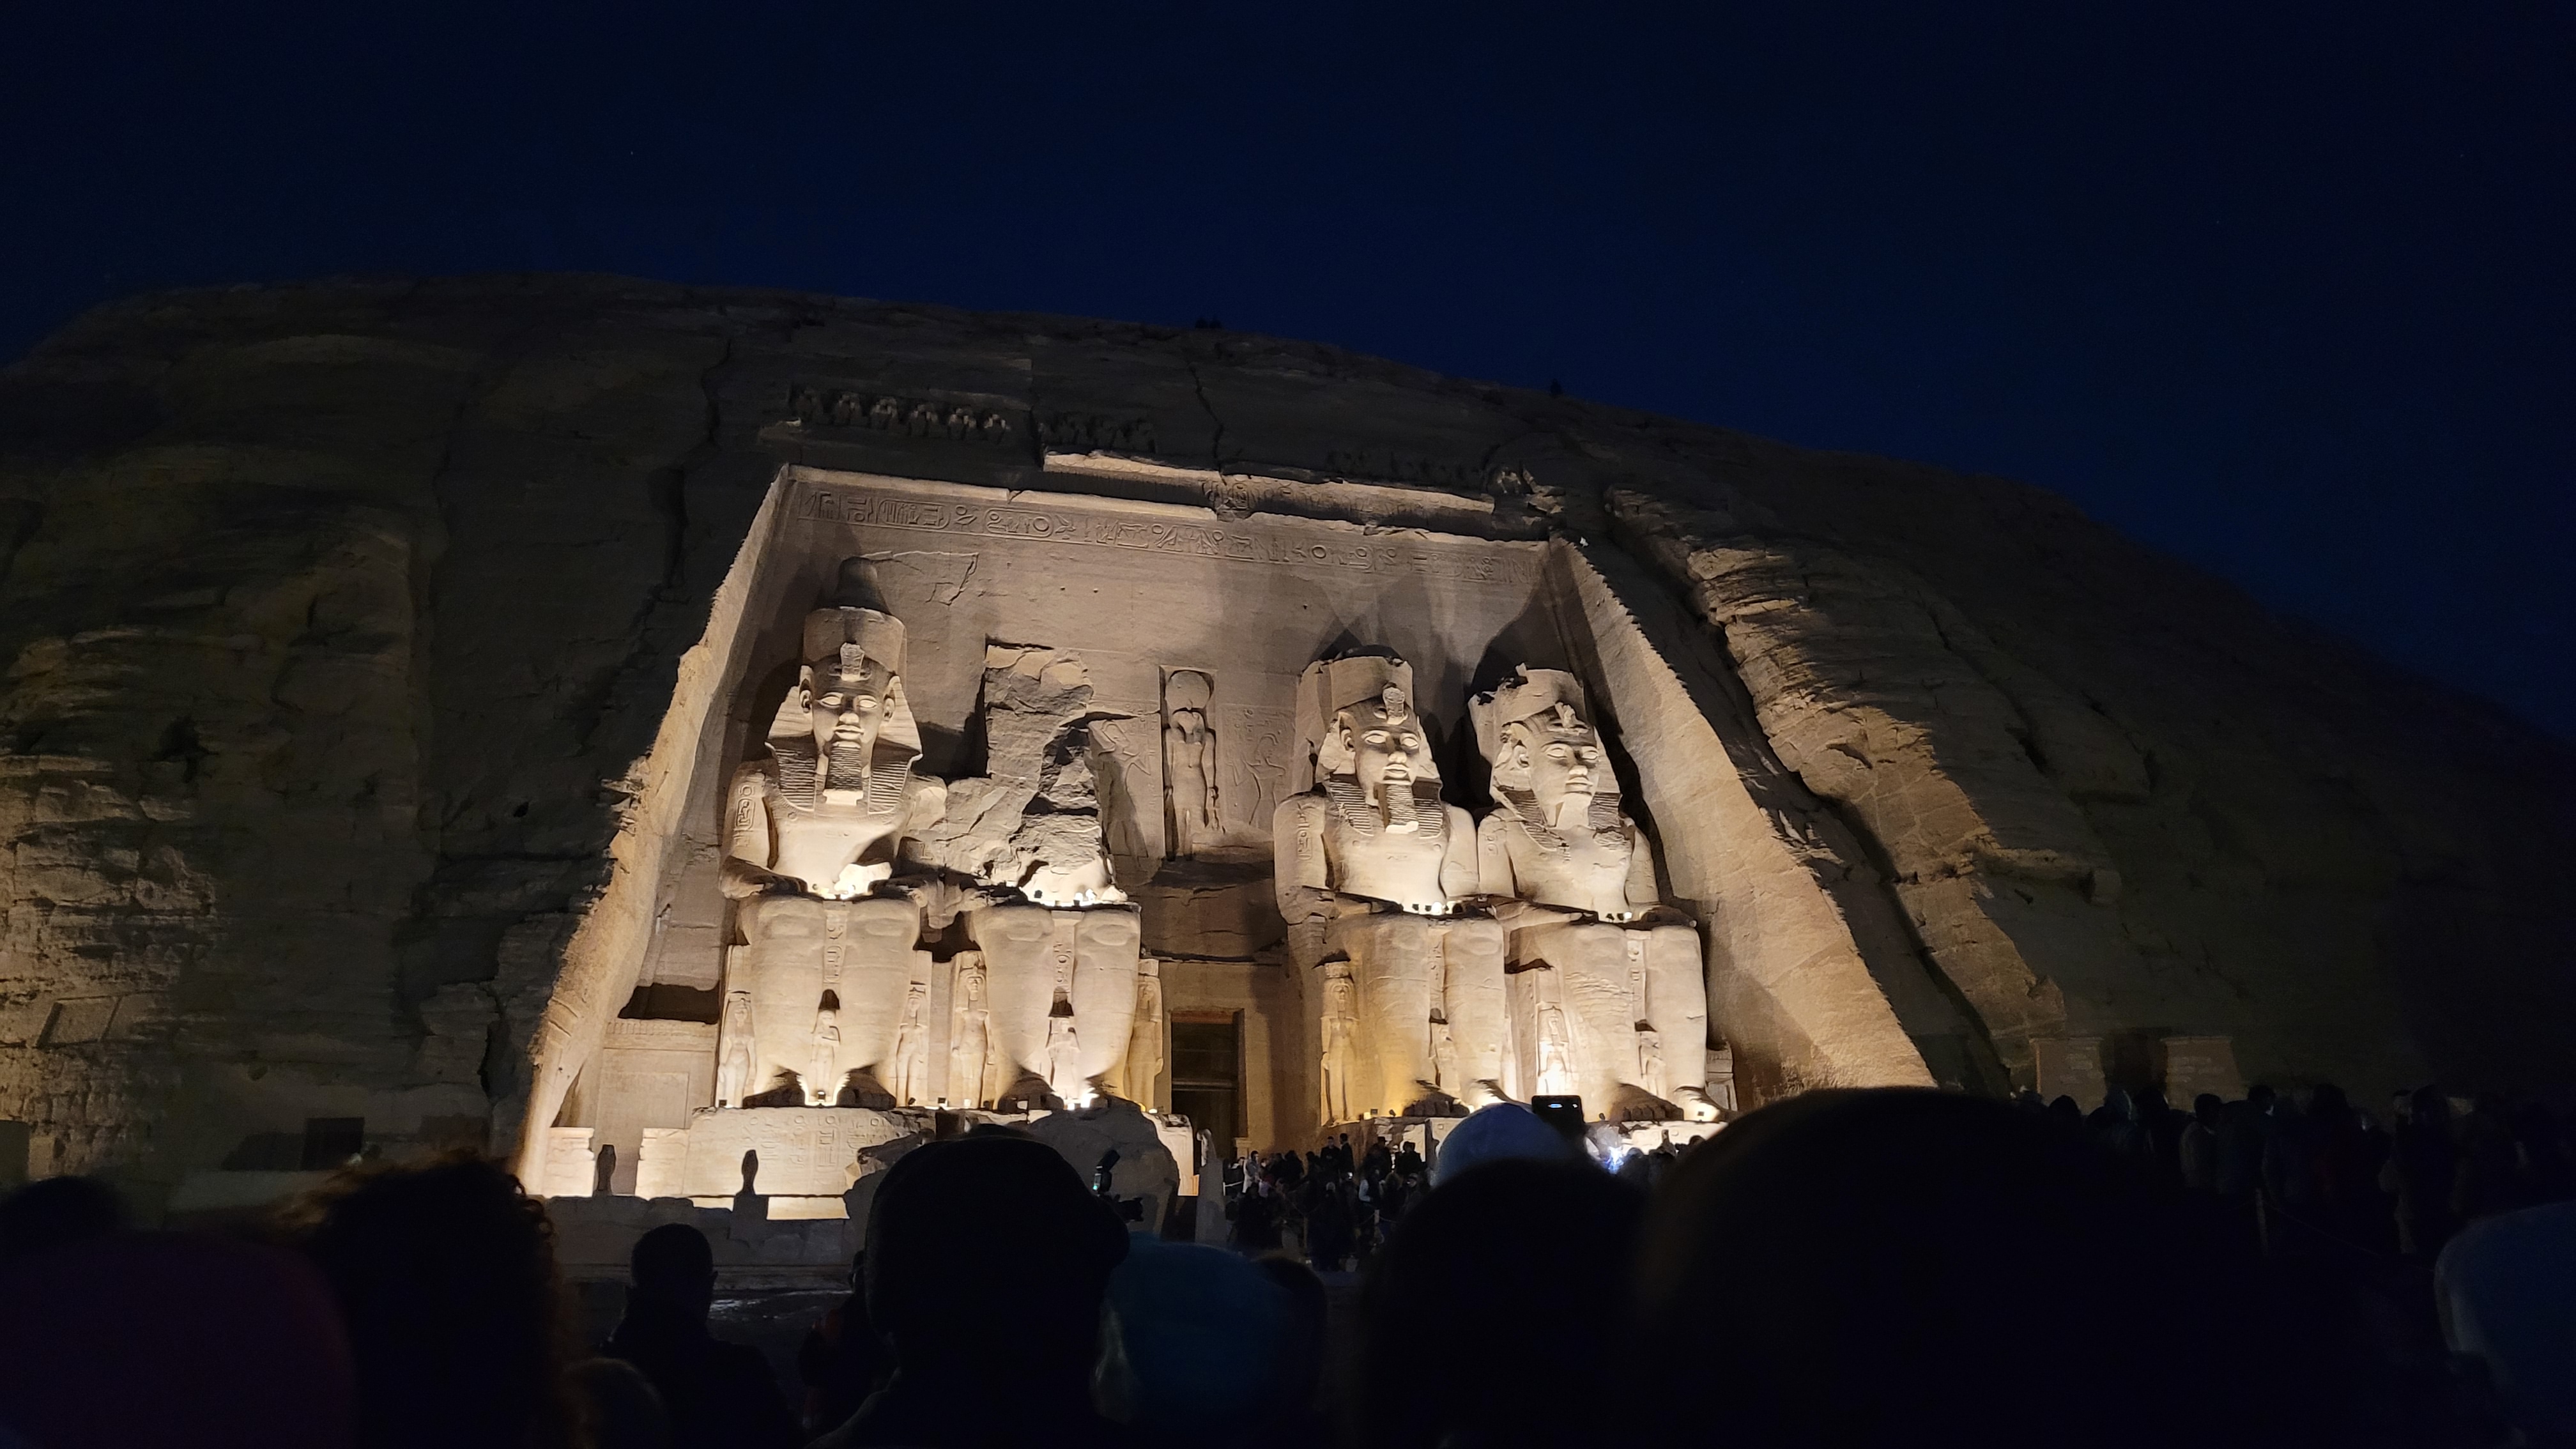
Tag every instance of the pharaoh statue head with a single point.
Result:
(1371, 749)
(1545, 755)
(856, 741)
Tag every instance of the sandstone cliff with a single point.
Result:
(336, 619)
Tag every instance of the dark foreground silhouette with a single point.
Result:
(1844, 1269)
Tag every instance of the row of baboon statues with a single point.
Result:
(1445, 964)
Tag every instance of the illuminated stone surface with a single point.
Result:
(1601, 966)
(380, 657)
(1375, 875)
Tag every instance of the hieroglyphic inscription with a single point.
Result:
(803, 1150)
(859, 508)
(1253, 746)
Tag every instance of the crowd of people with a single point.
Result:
(1844, 1268)
(2327, 1175)
(1334, 1207)
(1330, 1206)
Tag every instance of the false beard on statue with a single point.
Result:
(1415, 808)
(1600, 816)
(803, 775)
(847, 766)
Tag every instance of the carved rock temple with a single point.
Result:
(670, 735)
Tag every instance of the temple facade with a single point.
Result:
(1002, 805)
(673, 736)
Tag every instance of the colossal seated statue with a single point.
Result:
(1375, 870)
(816, 995)
(1607, 994)
(843, 861)
(1056, 942)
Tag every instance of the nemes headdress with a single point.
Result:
(1375, 683)
(840, 643)
(832, 634)
(1549, 700)
(1534, 706)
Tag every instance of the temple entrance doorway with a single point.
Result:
(1207, 1073)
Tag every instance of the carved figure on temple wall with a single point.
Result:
(1341, 1019)
(911, 1077)
(1142, 1073)
(1189, 763)
(1446, 1064)
(813, 829)
(1555, 1077)
(1375, 869)
(1127, 796)
(822, 1084)
(970, 1035)
(1065, 1080)
(1574, 880)
(734, 1050)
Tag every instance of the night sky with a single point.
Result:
(2282, 288)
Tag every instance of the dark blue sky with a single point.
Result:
(2283, 288)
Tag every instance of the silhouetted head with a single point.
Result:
(1501, 1132)
(1881, 1267)
(56, 1212)
(986, 1250)
(674, 1267)
(1513, 1279)
(143, 1338)
(2208, 1107)
(2431, 1108)
(445, 1275)
(2261, 1096)
(2328, 1105)
(625, 1411)
(1190, 1335)
(1301, 1361)
(2152, 1105)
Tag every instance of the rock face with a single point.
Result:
(340, 623)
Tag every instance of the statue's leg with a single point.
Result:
(1019, 945)
(1104, 985)
(1602, 1001)
(781, 964)
(1478, 1022)
(1521, 1011)
(1391, 960)
(1677, 1002)
(878, 968)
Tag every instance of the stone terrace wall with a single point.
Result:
(337, 618)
